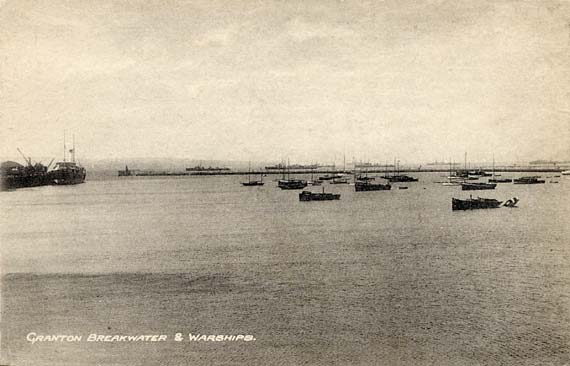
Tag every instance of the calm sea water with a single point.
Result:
(392, 277)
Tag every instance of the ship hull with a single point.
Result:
(366, 187)
(15, 182)
(474, 204)
(400, 178)
(14, 175)
(291, 184)
(477, 186)
(309, 196)
(529, 181)
(251, 184)
(67, 176)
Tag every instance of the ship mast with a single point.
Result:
(73, 150)
(64, 147)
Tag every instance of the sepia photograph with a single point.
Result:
(284, 182)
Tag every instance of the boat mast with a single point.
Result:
(64, 147)
(398, 167)
(73, 150)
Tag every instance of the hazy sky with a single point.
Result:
(307, 80)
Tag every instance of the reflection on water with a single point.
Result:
(392, 277)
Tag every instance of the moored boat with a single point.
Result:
(67, 172)
(14, 175)
(400, 178)
(339, 181)
(396, 176)
(368, 186)
(529, 180)
(287, 183)
(453, 179)
(364, 178)
(291, 184)
(477, 186)
(311, 196)
(500, 180)
(251, 183)
(326, 177)
(494, 178)
(330, 176)
(474, 203)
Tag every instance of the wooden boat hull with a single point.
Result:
(291, 184)
(310, 196)
(250, 184)
(516, 181)
(474, 204)
(477, 186)
(366, 187)
(400, 178)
